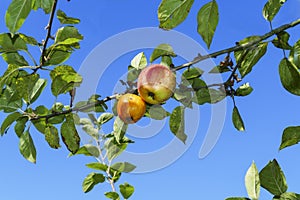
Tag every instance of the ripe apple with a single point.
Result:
(156, 84)
(131, 108)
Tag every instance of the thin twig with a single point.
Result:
(238, 47)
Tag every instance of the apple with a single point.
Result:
(156, 83)
(130, 108)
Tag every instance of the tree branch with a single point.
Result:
(48, 36)
(238, 47)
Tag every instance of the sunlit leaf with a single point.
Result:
(97, 166)
(176, 123)
(156, 112)
(237, 120)
(172, 12)
(290, 137)
(139, 61)
(112, 195)
(87, 150)
(27, 148)
(119, 129)
(126, 190)
(91, 180)
(20, 125)
(14, 58)
(11, 118)
(271, 8)
(123, 167)
(113, 148)
(52, 137)
(208, 18)
(16, 14)
(252, 182)
(64, 19)
(104, 117)
(289, 76)
(294, 56)
(37, 89)
(281, 41)
(288, 196)
(272, 178)
(244, 90)
(162, 50)
(10, 43)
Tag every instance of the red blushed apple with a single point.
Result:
(156, 84)
(131, 108)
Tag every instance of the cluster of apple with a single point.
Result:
(156, 84)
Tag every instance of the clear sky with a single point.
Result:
(220, 174)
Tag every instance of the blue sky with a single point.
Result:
(266, 112)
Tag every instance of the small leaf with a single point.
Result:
(156, 112)
(289, 76)
(288, 196)
(16, 14)
(294, 56)
(9, 43)
(252, 182)
(244, 90)
(272, 178)
(11, 118)
(27, 148)
(67, 34)
(20, 125)
(70, 135)
(271, 8)
(97, 166)
(37, 89)
(112, 195)
(14, 58)
(139, 61)
(251, 58)
(208, 18)
(176, 123)
(46, 5)
(55, 57)
(123, 167)
(281, 41)
(126, 190)
(192, 73)
(52, 137)
(87, 150)
(28, 39)
(173, 12)
(290, 137)
(105, 117)
(91, 180)
(119, 129)
(162, 50)
(64, 19)
(219, 69)
(114, 149)
(237, 120)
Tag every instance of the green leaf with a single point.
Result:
(55, 57)
(67, 34)
(27, 148)
(176, 123)
(288, 196)
(290, 137)
(271, 8)
(37, 89)
(208, 95)
(272, 178)
(208, 18)
(10, 43)
(192, 73)
(70, 135)
(139, 61)
(162, 50)
(244, 90)
(46, 5)
(119, 129)
(132, 74)
(114, 149)
(219, 69)
(64, 19)
(126, 190)
(16, 14)
(281, 41)
(28, 39)
(97, 166)
(91, 180)
(173, 12)
(252, 182)
(184, 96)
(251, 58)
(20, 125)
(87, 150)
(237, 198)
(294, 56)
(105, 117)
(166, 60)
(14, 58)
(40, 125)
(237, 120)
(24, 86)
(52, 137)
(112, 195)
(11, 118)
(123, 167)
(289, 76)
(156, 112)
